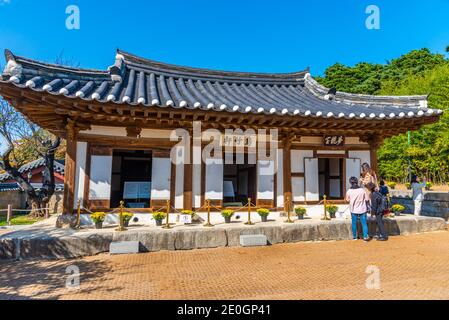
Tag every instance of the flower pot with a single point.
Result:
(99, 225)
(158, 223)
(300, 217)
(397, 214)
(227, 220)
(126, 223)
(264, 218)
(333, 215)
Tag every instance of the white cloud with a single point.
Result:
(2, 2)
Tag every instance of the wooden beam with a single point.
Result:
(287, 173)
(188, 181)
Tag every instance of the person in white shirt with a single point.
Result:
(418, 195)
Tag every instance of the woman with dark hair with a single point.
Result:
(358, 199)
(368, 176)
(418, 195)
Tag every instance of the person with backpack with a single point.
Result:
(379, 205)
(383, 189)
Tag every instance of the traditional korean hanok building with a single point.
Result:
(118, 125)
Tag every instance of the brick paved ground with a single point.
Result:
(411, 267)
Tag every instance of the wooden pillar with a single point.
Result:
(374, 142)
(287, 173)
(188, 174)
(70, 168)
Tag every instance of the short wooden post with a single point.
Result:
(121, 226)
(325, 208)
(9, 215)
(249, 223)
(288, 207)
(208, 224)
(78, 214)
(167, 224)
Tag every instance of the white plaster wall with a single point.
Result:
(352, 170)
(160, 179)
(298, 189)
(280, 178)
(100, 178)
(154, 133)
(81, 152)
(364, 156)
(312, 179)
(179, 184)
(121, 132)
(265, 179)
(297, 159)
(106, 131)
(214, 179)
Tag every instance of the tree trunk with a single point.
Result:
(39, 209)
(39, 200)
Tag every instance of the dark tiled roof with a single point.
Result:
(59, 168)
(136, 81)
(14, 186)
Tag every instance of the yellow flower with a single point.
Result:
(98, 216)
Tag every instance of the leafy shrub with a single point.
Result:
(159, 216)
(300, 211)
(227, 213)
(429, 186)
(263, 212)
(127, 216)
(408, 186)
(98, 217)
(391, 185)
(332, 209)
(398, 208)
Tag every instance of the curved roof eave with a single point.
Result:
(137, 81)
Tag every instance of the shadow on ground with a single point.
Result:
(27, 280)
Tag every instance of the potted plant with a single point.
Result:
(429, 186)
(332, 211)
(98, 219)
(391, 185)
(300, 212)
(397, 209)
(263, 213)
(188, 215)
(158, 217)
(127, 216)
(227, 215)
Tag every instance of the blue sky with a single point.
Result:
(245, 35)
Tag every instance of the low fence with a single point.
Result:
(18, 200)
(435, 204)
(10, 213)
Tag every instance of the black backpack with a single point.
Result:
(383, 205)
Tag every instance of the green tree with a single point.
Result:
(417, 72)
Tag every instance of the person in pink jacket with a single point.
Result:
(358, 200)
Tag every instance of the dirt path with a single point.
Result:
(412, 267)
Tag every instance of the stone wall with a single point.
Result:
(18, 200)
(435, 204)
